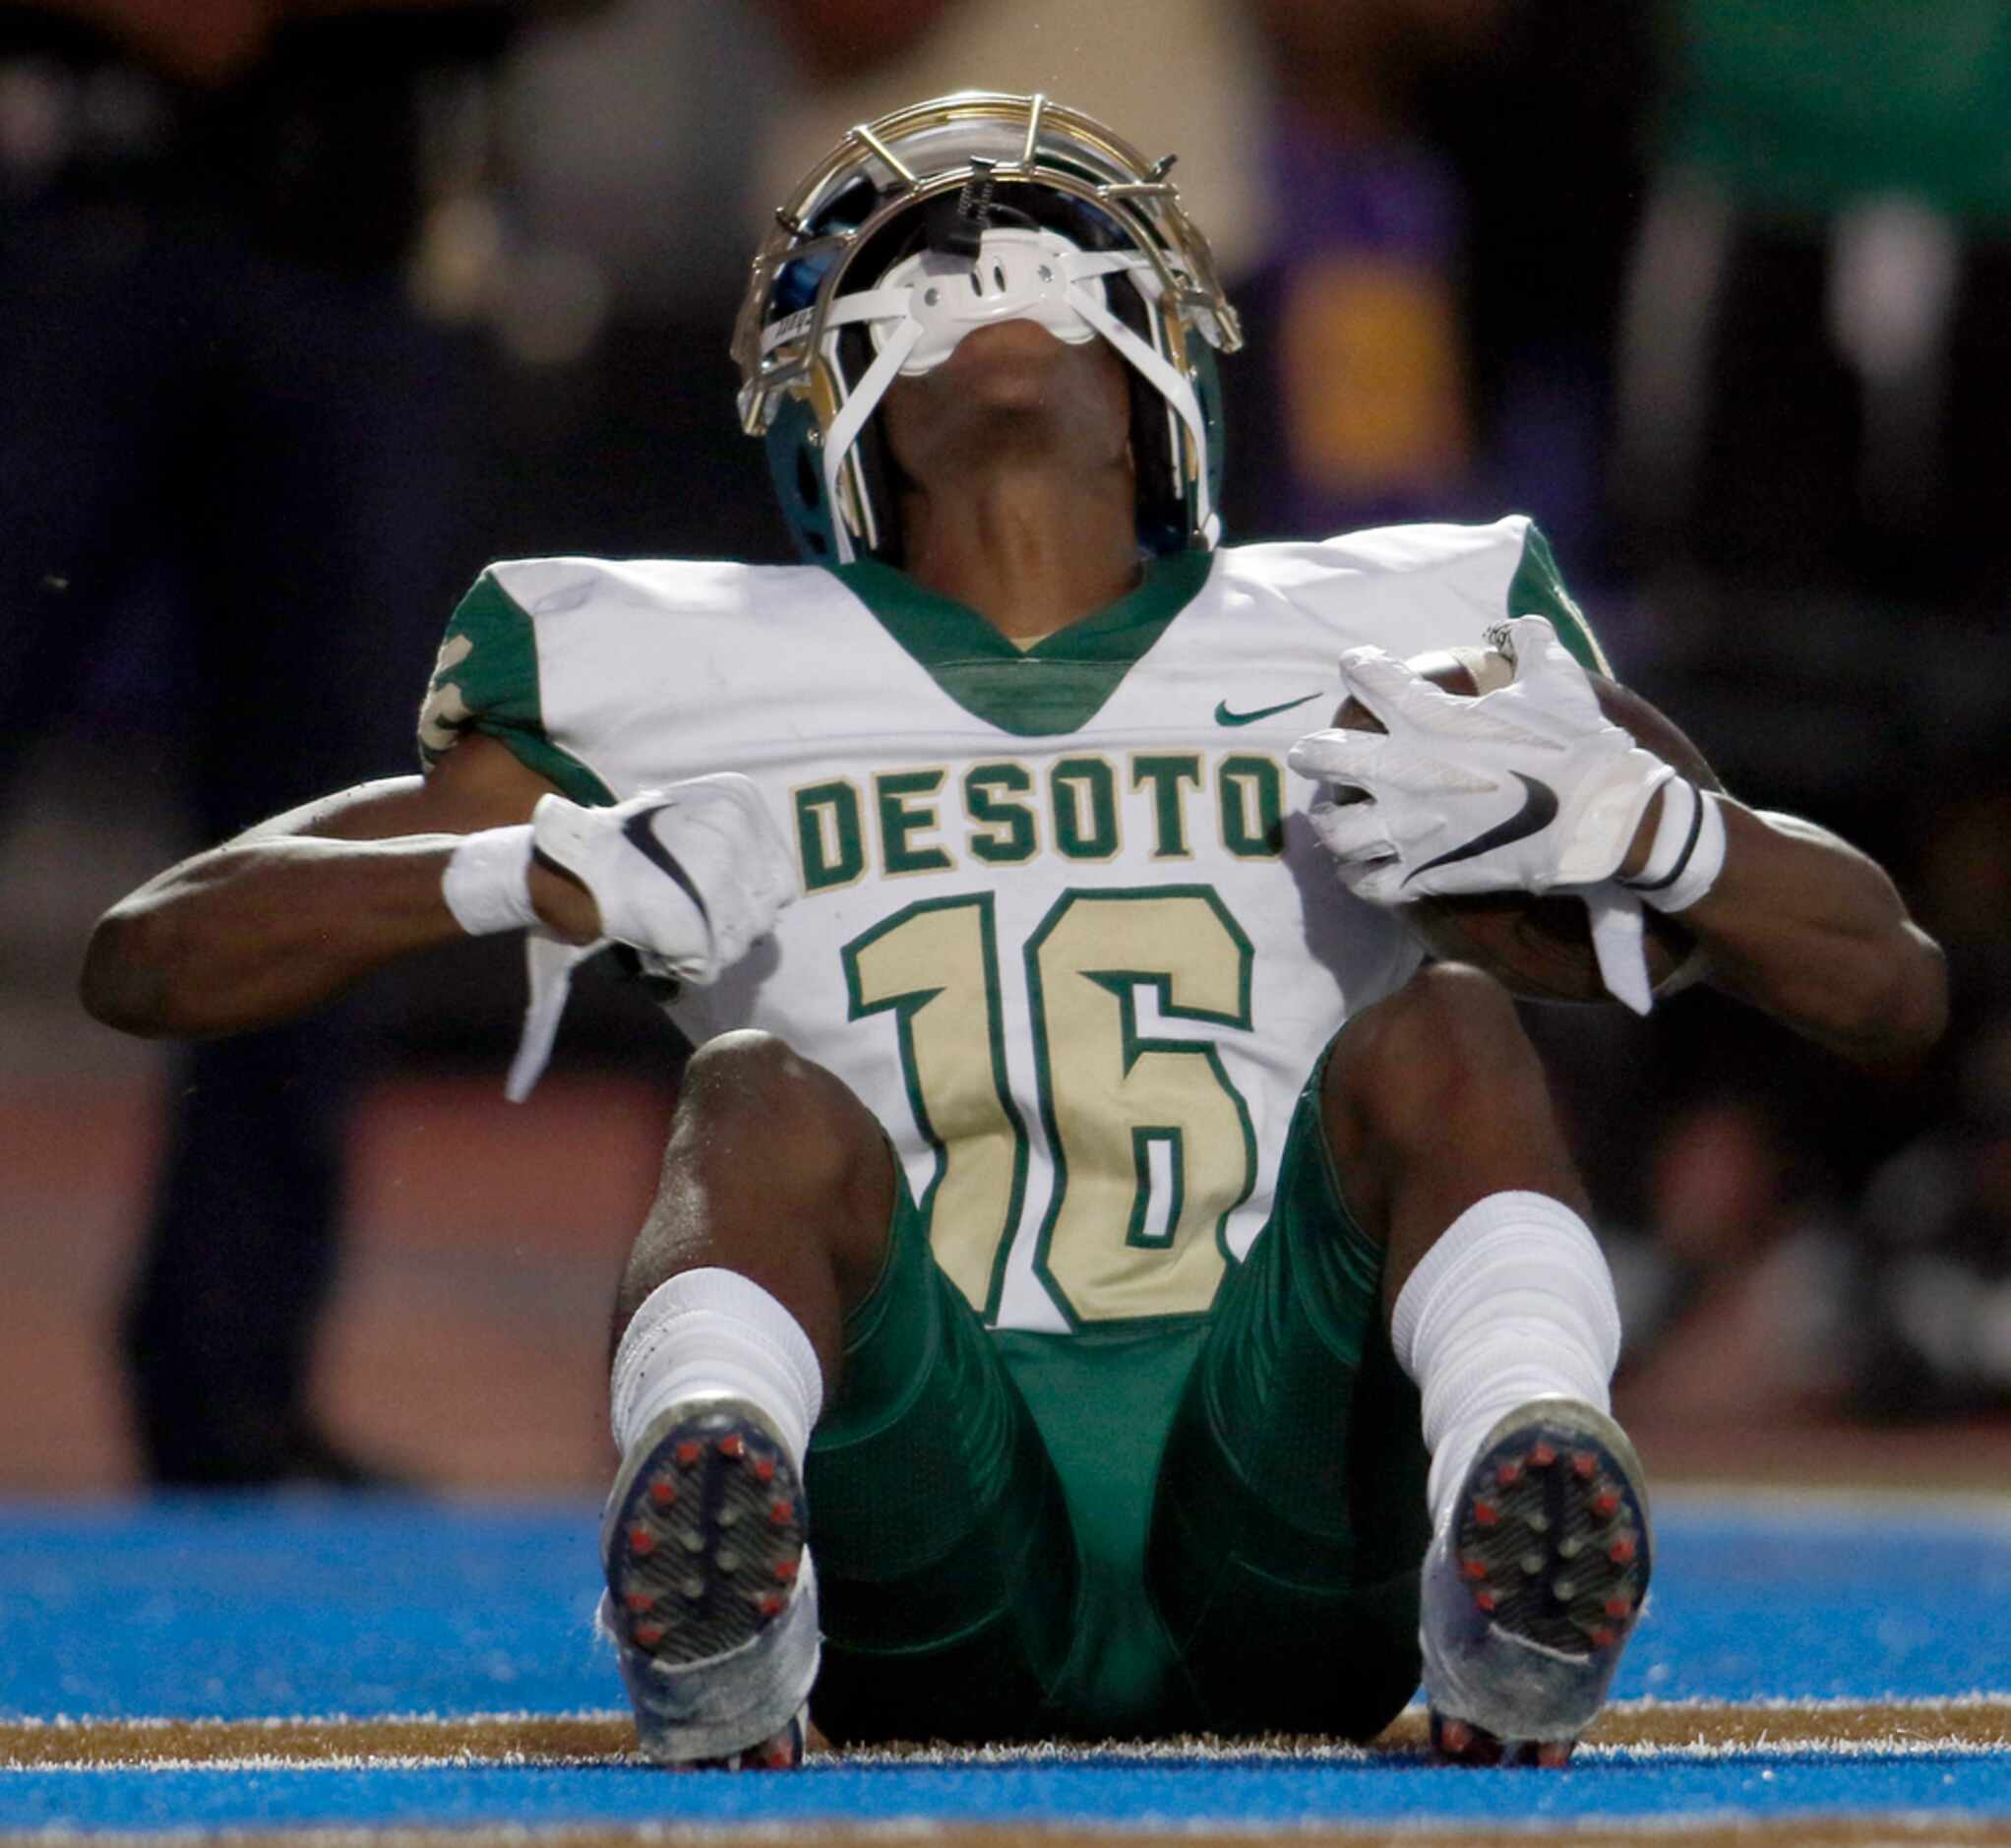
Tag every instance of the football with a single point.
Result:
(1540, 948)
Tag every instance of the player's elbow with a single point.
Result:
(1921, 1008)
(128, 972)
(1900, 1019)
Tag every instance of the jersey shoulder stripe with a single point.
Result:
(1537, 590)
(486, 680)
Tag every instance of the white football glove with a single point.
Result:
(1522, 790)
(690, 875)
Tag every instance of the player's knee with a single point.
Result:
(1409, 1068)
(749, 1083)
(773, 1140)
(760, 1078)
(740, 1069)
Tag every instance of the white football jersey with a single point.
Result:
(1065, 928)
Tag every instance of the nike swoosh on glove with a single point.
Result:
(1522, 790)
(690, 875)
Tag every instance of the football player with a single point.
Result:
(1168, 1305)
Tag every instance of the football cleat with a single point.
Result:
(712, 1599)
(1533, 1583)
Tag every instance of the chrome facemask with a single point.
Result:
(958, 161)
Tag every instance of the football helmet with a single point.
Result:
(952, 215)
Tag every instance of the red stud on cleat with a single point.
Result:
(786, 1569)
(1474, 1568)
(770, 1605)
(1584, 1464)
(733, 1444)
(1553, 1755)
(1603, 1638)
(1621, 1550)
(1619, 1607)
(641, 1542)
(782, 1513)
(640, 1601)
(1484, 1599)
(1542, 1457)
(1485, 1514)
(1507, 1473)
(663, 1491)
(1454, 1736)
(688, 1452)
(1606, 1504)
(647, 1636)
(765, 1469)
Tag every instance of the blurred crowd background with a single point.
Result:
(307, 308)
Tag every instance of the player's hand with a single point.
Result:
(1524, 788)
(690, 875)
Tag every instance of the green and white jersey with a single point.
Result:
(1065, 928)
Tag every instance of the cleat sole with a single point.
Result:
(1550, 1537)
(1562, 1568)
(679, 1549)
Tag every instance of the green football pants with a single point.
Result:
(1205, 1524)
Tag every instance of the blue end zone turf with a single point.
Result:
(1812, 1597)
(242, 1607)
(1141, 1795)
(255, 1608)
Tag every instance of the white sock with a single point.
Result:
(1515, 1301)
(709, 1333)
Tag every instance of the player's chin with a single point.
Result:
(1010, 390)
(1013, 366)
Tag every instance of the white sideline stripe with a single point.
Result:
(1637, 1703)
(1947, 1745)
(1800, 1704)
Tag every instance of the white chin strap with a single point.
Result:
(928, 302)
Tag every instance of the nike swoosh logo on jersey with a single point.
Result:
(1224, 717)
(643, 837)
(1538, 810)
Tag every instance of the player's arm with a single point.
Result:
(1802, 925)
(1530, 789)
(279, 920)
(275, 922)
